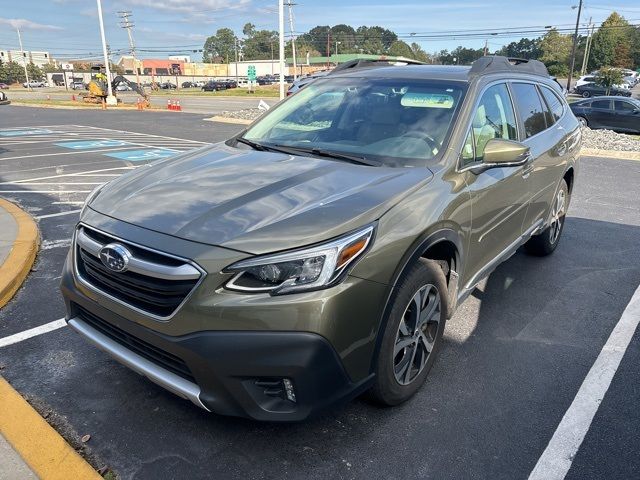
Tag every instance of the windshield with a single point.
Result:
(392, 122)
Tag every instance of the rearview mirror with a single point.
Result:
(499, 152)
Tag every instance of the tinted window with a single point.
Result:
(624, 107)
(554, 103)
(530, 108)
(494, 118)
(602, 104)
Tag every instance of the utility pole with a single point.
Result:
(293, 39)
(128, 26)
(573, 49)
(235, 46)
(24, 59)
(328, 47)
(111, 100)
(587, 47)
(281, 52)
(486, 47)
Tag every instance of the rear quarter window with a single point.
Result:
(556, 106)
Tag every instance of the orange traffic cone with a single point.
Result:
(73, 98)
(178, 107)
(168, 104)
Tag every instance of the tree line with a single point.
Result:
(615, 43)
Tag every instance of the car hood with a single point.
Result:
(253, 201)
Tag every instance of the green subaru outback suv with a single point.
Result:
(318, 254)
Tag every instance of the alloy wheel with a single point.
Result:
(557, 216)
(417, 334)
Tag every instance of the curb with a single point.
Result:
(40, 446)
(623, 155)
(20, 260)
(235, 121)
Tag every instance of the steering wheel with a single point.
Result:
(423, 136)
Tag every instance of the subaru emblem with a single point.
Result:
(115, 257)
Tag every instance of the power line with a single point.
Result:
(128, 26)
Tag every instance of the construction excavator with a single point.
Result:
(98, 90)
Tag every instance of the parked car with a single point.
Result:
(319, 253)
(168, 86)
(592, 90)
(34, 84)
(265, 81)
(613, 113)
(4, 100)
(4, 86)
(214, 86)
(188, 84)
(78, 85)
(123, 88)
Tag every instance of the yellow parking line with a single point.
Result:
(40, 446)
(18, 264)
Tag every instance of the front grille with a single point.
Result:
(150, 352)
(157, 295)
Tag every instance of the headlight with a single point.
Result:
(94, 193)
(308, 269)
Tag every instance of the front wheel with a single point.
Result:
(583, 121)
(586, 94)
(545, 243)
(412, 334)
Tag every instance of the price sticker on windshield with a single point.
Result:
(427, 100)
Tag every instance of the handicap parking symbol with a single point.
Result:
(142, 155)
(89, 144)
(22, 133)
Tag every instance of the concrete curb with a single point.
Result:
(236, 121)
(23, 253)
(38, 444)
(592, 152)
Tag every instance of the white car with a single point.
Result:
(34, 84)
(585, 79)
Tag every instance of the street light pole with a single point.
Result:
(24, 59)
(573, 49)
(111, 100)
(281, 28)
(585, 59)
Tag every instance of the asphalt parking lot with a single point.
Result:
(514, 357)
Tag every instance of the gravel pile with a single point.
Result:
(246, 114)
(609, 140)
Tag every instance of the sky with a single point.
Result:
(69, 28)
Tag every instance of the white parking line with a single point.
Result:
(59, 214)
(84, 173)
(131, 147)
(45, 191)
(33, 332)
(556, 460)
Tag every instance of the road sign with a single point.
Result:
(67, 66)
(251, 73)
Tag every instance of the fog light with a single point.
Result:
(288, 386)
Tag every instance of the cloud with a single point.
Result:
(24, 24)
(190, 7)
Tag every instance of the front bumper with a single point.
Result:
(226, 372)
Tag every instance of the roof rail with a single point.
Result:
(369, 63)
(496, 64)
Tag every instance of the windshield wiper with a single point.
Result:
(331, 154)
(265, 148)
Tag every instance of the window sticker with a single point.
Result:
(427, 100)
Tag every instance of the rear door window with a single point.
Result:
(601, 104)
(530, 108)
(553, 102)
(623, 107)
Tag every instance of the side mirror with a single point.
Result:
(499, 152)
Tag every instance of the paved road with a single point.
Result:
(514, 356)
(190, 103)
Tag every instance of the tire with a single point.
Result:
(586, 94)
(404, 359)
(583, 121)
(545, 243)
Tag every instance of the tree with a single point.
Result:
(249, 29)
(259, 45)
(623, 58)
(615, 30)
(317, 37)
(419, 54)
(401, 49)
(35, 72)
(609, 77)
(523, 48)
(555, 52)
(220, 47)
(12, 72)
